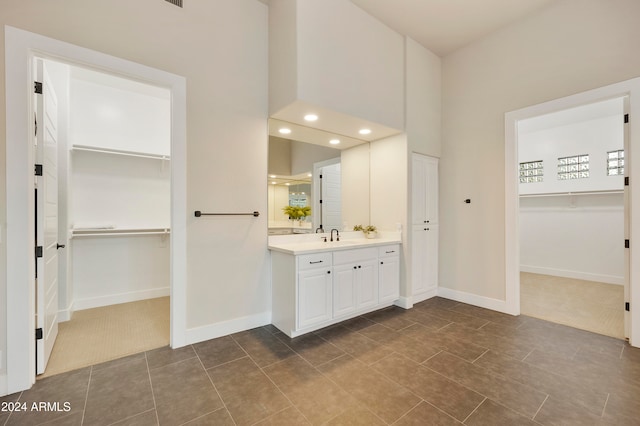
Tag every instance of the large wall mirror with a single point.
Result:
(306, 166)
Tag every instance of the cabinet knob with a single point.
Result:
(382, 263)
(359, 266)
(328, 272)
(425, 221)
(355, 267)
(426, 229)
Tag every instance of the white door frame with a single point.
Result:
(629, 88)
(20, 47)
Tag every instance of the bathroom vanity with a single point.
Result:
(318, 283)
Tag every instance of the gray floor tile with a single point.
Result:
(117, 392)
(218, 351)
(247, 392)
(440, 363)
(183, 392)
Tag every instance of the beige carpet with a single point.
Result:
(102, 334)
(587, 305)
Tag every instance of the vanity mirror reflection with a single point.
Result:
(292, 167)
(306, 166)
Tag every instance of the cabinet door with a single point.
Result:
(314, 297)
(424, 190)
(389, 278)
(418, 189)
(367, 285)
(344, 289)
(424, 270)
(431, 188)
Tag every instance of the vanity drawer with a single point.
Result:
(312, 261)
(355, 255)
(388, 251)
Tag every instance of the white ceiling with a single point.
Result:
(443, 26)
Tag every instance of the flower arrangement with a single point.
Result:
(297, 212)
(369, 231)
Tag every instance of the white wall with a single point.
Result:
(573, 236)
(423, 99)
(355, 167)
(594, 137)
(110, 113)
(566, 48)
(332, 54)
(228, 288)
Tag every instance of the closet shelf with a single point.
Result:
(560, 194)
(75, 233)
(88, 148)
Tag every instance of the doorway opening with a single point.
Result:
(113, 221)
(629, 90)
(572, 212)
(20, 49)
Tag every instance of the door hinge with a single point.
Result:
(39, 334)
(38, 170)
(626, 181)
(626, 243)
(626, 118)
(626, 306)
(37, 87)
(39, 251)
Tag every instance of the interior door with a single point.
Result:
(46, 144)
(331, 197)
(627, 224)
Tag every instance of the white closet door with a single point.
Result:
(46, 218)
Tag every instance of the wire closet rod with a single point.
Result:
(198, 213)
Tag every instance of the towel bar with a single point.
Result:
(198, 213)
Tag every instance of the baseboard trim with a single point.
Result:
(115, 299)
(404, 302)
(66, 314)
(224, 328)
(417, 298)
(474, 299)
(608, 279)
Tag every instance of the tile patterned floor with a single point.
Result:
(441, 363)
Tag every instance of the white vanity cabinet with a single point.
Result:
(389, 273)
(355, 280)
(314, 290)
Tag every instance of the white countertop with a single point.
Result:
(314, 243)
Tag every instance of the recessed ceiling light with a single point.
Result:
(309, 175)
(364, 131)
(310, 117)
(334, 141)
(285, 130)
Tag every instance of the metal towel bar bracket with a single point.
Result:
(198, 213)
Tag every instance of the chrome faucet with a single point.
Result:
(337, 235)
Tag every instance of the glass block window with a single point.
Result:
(615, 162)
(574, 167)
(531, 171)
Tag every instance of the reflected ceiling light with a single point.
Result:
(334, 141)
(310, 117)
(364, 131)
(284, 130)
(273, 183)
(309, 175)
(287, 184)
(272, 176)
